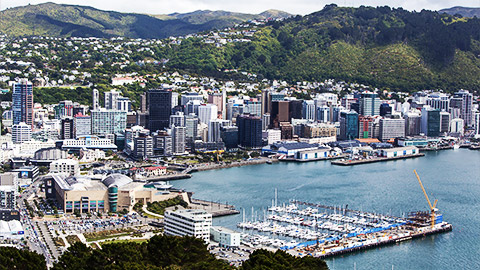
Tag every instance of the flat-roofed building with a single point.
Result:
(225, 237)
(189, 222)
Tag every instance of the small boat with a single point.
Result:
(269, 162)
(456, 146)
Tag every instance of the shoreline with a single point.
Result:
(366, 161)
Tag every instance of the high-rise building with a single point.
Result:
(457, 126)
(188, 222)
(162, 144)
(216, 99)
(143, 146)
(391, 129)
(385, 109)
(177, 119)
(66, 131)
(369, 104)
(323, 114)
(108, 121)
(174, 99)
(110, 99)
(21, 133)
(444, 122)
(431, 121)
(249, 131)
(64, 109)
(96, 99)
(229, 136)
(192, 107)
(477, 123)
(207, 112)
(466, 109)
(191, 129)
(22, 103)
(214, 127)
(189, 97)
(295, 109)
(280, 113)
(178, 140)
(308, 111)
(252, 108)
(348, 125)
(160, 109)
(438, 101)
(365, 127)
(412, 124)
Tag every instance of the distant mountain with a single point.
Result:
(51, 19)
(464, 11)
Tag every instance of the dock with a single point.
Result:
(352, 162)
(215, 208)
(314, 159)
(176, 176)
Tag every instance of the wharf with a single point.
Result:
(373, 160)
(436, 148)
(474, 147)
(176, 176)
(314, 159)
(371, 243)
(214, 208)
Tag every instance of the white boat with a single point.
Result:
(456, 146)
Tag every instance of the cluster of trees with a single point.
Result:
(160, 206)
(160, 252)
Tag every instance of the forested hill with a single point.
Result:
(383, 47)
(50, 19)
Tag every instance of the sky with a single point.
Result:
(301, 7)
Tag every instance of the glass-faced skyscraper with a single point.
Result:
(22, 103)
(159, 108)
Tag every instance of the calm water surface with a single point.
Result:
(452, 177)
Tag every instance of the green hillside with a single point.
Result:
(464, 11)
(383, 47)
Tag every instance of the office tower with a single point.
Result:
(477, 123)
(216, 99)
(391, 129)
(412, 124)
(177, 119)
(457, 126)
(108, 121)
(347, 101)
(143, 146)
(207, 112)
(111, 98)
(189, 97)
(323, 114)
(348, 125)
(66, 131)
(162, 144)
(308, 111)
(22, 103)
(224, 103)
(178, 140)
(64, 109)
(286, 130)
(438, 101)
(444, 122)
(143, 103)
(229, 135)
(160, 109)
(249, 131)
(252, 108)
(265, 121)
(233, 110)
(430, 124)
(21, 133)
(464, 100)
(96, 99)
(214, 129)
(265, 102)
(369, 104)
(174, 99)
(365, 127)
(82, 125)
(191, 129)
(385, 109)
(295, 109)
(280, 113)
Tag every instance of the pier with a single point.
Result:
(314, 159)
(351, 162)
(215, 208)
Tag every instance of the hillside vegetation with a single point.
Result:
(383, 47)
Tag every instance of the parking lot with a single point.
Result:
(234, 256)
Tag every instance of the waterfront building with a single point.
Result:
(229, 136)
(315, 154)
(413, 123)
(348, 125)
(225, 237)
(369, 104)
(430, 123)
(273, 135)
(188, 222)
(391, 128)
(160, 109)
(108, 121)
(444, 122)
(308, 111)
(398, 151)
(21, 132)
(288, 149)
(457, 126)
(249, 131)
(66, 166)
(22, 103)
(82, 125)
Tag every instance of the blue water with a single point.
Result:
(451, 176)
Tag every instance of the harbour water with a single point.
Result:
(451, 176)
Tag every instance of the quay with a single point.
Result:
(352, 162)
(176, 176)
(436, 148)
(313, 159)
(214, 208)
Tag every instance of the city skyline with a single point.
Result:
(301, 7)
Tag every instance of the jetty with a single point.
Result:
(351, 162)
(217, 209)
(313, 159)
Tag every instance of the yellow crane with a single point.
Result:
(432, 207)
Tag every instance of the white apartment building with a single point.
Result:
(192, 222)
(68, 166)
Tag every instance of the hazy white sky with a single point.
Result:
(247, 6)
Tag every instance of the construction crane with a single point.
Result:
(432, 207)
